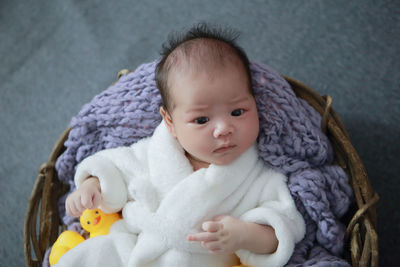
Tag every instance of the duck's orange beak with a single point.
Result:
(96, 220)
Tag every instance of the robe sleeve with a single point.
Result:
(104, 165)
(277, 209)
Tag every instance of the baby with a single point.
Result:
(195, 193)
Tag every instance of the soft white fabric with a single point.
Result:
(163, 200)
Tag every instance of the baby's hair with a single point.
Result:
(204, 47)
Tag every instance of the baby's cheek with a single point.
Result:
(201, 147)
(205, 147)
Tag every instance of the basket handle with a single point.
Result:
(367, 255)
(360, 212)
(326, 114)
(122, 73)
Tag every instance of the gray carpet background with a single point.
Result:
(56, 55)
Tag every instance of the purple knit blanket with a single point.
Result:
(290, 140)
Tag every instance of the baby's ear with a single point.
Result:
(168, 121)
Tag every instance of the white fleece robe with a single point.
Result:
(163, 200)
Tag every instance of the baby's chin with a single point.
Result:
(219, 160)
(224, 161)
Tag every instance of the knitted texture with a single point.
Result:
(290, 140)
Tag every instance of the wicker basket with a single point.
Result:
(42, 223)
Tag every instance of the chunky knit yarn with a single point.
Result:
(290, 140)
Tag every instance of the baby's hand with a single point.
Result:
(223, 235)
(88, 196)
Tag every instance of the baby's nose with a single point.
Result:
(223, 128)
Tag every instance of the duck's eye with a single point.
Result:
(201, 120)
(237, 112)
(97, 212)
(88, 222)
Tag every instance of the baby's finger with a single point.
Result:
(73, 210)
(219, 217)
(78, 205)
(212, 246)
(203, 237)
(212, 226)
(216, 251)
(68, 209)
(86, 200)
(96, 200)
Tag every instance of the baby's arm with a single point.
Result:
(101, 182)
(226, 234)
(88, 196)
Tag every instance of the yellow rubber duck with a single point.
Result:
(66, 241)
(97, 222)
(94, 221)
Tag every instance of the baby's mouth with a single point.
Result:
(224, 149)
(96, 220)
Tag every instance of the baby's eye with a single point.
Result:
(237, 112)
(201, 120)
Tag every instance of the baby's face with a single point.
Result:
(215, 116)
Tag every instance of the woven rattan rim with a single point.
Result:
(46, 191)
(360, 234)
(363, 238)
